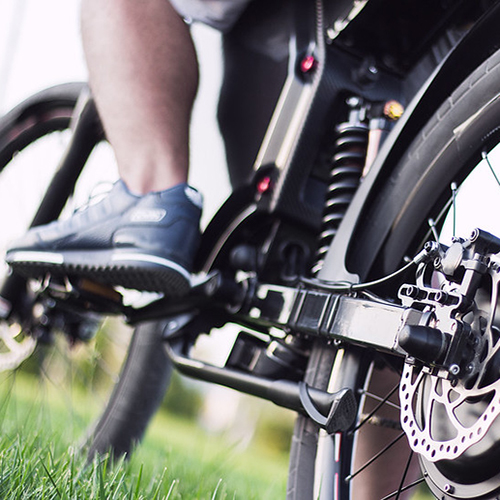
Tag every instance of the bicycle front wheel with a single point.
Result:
(33, 138)
(448, 177)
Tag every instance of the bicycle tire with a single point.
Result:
(446, 152)
(146, 370)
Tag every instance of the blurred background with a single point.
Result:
(40, 47)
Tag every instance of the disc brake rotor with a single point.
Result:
(444, 417)
(450, 414)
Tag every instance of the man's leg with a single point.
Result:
(144, 234)
(144, 76)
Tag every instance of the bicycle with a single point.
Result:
(344, 259)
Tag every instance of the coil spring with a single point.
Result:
(347, 164)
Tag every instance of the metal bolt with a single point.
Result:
(454, 369)
(353, 101)
(433, 322)
(448, 488)
(429, 245)
(409, 291)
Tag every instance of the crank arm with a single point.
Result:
(85, 295)
(334, 412)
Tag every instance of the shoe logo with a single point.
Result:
(194, 196)
(148, 215)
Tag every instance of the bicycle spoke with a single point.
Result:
(432, 225)
(405, 473)
(382, 402)
(376, 457)
(454, 204)
(377, 421)
(486, 158)
(406, 488)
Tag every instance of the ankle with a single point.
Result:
(145, 182)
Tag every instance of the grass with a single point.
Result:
(177, 460)
(39, 426)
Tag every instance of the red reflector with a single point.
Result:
(307, 64)
(264, 184)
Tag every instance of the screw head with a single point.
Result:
(448, 488)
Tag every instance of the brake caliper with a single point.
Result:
(450, 387)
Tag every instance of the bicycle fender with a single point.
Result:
(352, 253)
(60, 93)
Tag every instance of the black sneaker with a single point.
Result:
(145, 242)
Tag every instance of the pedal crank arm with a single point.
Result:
(333, 412)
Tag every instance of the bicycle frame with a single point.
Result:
(284, 204)
(285, 167)
(287, 187)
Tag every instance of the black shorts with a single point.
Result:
(220, 14)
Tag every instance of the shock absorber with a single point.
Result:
(347, 163)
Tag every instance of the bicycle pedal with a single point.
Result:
(82, 294)
(99, 290)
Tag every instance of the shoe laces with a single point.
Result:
(98, 193)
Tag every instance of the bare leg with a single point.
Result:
(144, 76)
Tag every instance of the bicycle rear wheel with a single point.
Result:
(33, 137)
(448, 176)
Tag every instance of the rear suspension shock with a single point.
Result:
(347, 163)
(356, 145)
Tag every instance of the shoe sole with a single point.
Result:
(129, 270)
